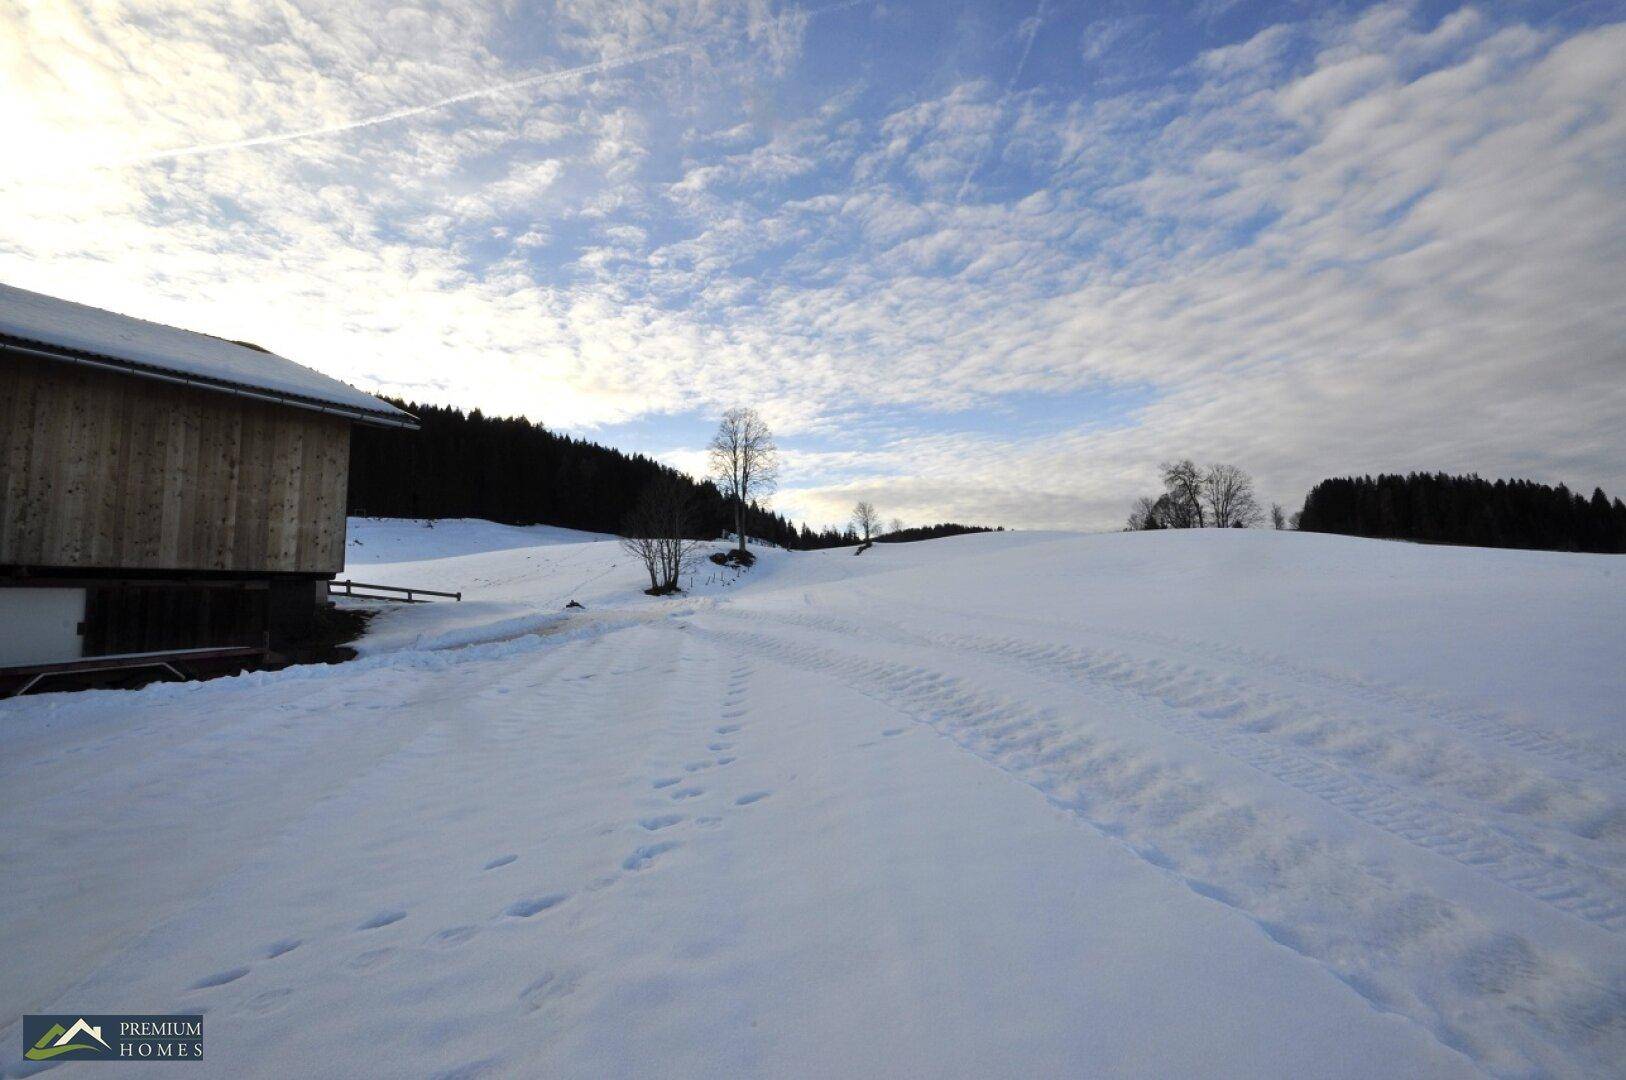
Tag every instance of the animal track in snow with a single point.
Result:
(751, 797)
(551, 985)
(453, 935)
(687, 793)
(524, 909)
(716, 746)
(728, 729)
(662, 821)
(383, 918)
(647, 854)
(270, 999)
(499, 861)
(665, 781)
(371, 958)
(219, 979)
(277, 948)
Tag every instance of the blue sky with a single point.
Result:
(979, 261)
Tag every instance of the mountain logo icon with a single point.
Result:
(59, 1040)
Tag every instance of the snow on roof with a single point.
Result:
(62, 324)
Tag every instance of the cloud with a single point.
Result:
(599, 67)
(1324, 246)
(1029, 32)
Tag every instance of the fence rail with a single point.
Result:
(400, 594)
(174, 662)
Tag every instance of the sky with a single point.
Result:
(974, 261)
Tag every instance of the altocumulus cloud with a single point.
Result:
(1308, 245)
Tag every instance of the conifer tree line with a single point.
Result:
(900, 535)
(846, 536)
(508, 469)
(1436, 508)
(514, 471)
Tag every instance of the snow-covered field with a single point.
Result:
(1205, 803)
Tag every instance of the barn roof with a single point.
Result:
(61, 329)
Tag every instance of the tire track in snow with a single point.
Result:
(1537, 742)
(1248, 721)
(1460, 769)
(1564, 884)
(1516, 1007)
(1551, 746)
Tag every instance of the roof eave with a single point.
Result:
(47, 351)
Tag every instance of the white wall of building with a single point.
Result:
(38, 626)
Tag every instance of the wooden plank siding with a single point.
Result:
(111, 471)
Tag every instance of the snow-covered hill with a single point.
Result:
(1203, 803)
(513, 579)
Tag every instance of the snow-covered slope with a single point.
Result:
(513, 579)
(1218, 803)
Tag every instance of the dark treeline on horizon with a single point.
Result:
(1436, 508)
(511, 470)
(809, 540)
(932, 532)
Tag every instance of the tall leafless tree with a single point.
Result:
(866, 522)
(1228, 493)
(659, 533)
(1184, 482)
(1278, 519)
(896, 526)
(744, 462)
(1194, 497)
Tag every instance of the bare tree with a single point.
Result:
(866, 522)
(1278, 520)
(896, 526)
(1228, 493)
(1147, 513)
(1184, 482)
(744, 462)
(659, 533)
(1221, 496)
(646, 549)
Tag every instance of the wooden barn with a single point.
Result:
(162, 489)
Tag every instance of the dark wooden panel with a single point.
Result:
(16, 444)
(125, 620)
(108, 470)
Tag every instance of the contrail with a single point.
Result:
(1033, 32)
(613, 64)
(417, 110)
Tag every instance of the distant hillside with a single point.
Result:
(510, 470)
(1436, 508)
